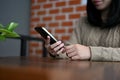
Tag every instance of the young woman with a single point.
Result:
(96, 37)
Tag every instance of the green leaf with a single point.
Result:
(2, 38)
(8, 33)
(11, 26)
(13, 34)
(1, 26)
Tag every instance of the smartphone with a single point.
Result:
(44, 33)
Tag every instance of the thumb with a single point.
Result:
(47, 41)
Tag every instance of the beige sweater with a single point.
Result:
(104, 43)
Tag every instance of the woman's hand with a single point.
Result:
(55, 48)
(78, 52)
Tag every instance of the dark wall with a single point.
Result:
(16, 11)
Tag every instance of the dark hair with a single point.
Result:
(113, 17)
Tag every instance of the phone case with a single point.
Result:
(44, 33)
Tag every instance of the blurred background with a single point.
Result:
(58, 16)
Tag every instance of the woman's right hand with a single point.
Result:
(55, 48)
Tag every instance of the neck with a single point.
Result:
(104, 15)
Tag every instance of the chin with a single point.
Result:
(99, 8)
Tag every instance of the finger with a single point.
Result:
(75, 57)
(58, 47)
(47, 43)
(51, 48)
(64, 51)
(52, 52)
(60, 51)
(55, 44)
(69, 49)
(72, 54)
(47, 40)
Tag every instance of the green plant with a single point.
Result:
(8, 31)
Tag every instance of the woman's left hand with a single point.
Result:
(78, 52)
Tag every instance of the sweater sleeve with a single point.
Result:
(105, 54)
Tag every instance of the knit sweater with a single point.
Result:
(104, 43)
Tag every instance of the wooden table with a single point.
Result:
(35, 68)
